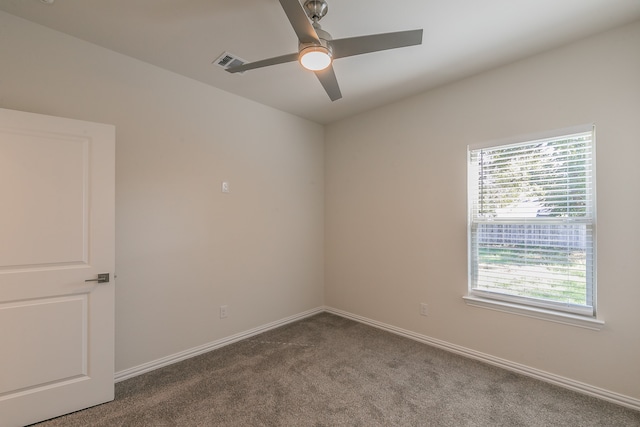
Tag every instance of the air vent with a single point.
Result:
(228, 60)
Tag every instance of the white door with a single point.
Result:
(56, 232)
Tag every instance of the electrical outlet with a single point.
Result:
(224, 311)
(225, 187)
(423, 309)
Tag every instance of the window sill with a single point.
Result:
(536, 313)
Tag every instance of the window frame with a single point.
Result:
(554, 311)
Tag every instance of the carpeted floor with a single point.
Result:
(329, 371)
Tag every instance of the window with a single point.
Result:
(532, 222)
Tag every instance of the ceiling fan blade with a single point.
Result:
(299, 21)
(264, 63)
(375, 42)
(329, 82)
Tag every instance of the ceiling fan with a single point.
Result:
(317, 50)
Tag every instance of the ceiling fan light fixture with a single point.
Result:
(315, 58)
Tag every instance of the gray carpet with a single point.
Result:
(329, 371)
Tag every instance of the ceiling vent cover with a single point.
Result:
(227, 60)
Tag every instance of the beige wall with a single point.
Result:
(183, 248)
(395, 203)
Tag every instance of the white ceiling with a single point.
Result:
(461, 38)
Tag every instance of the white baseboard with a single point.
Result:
(558, 380)
(183, 355)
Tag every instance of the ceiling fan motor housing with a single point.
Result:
(323, 44)
(324, 37)
(316, 56)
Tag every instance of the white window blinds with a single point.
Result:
(532, 220)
